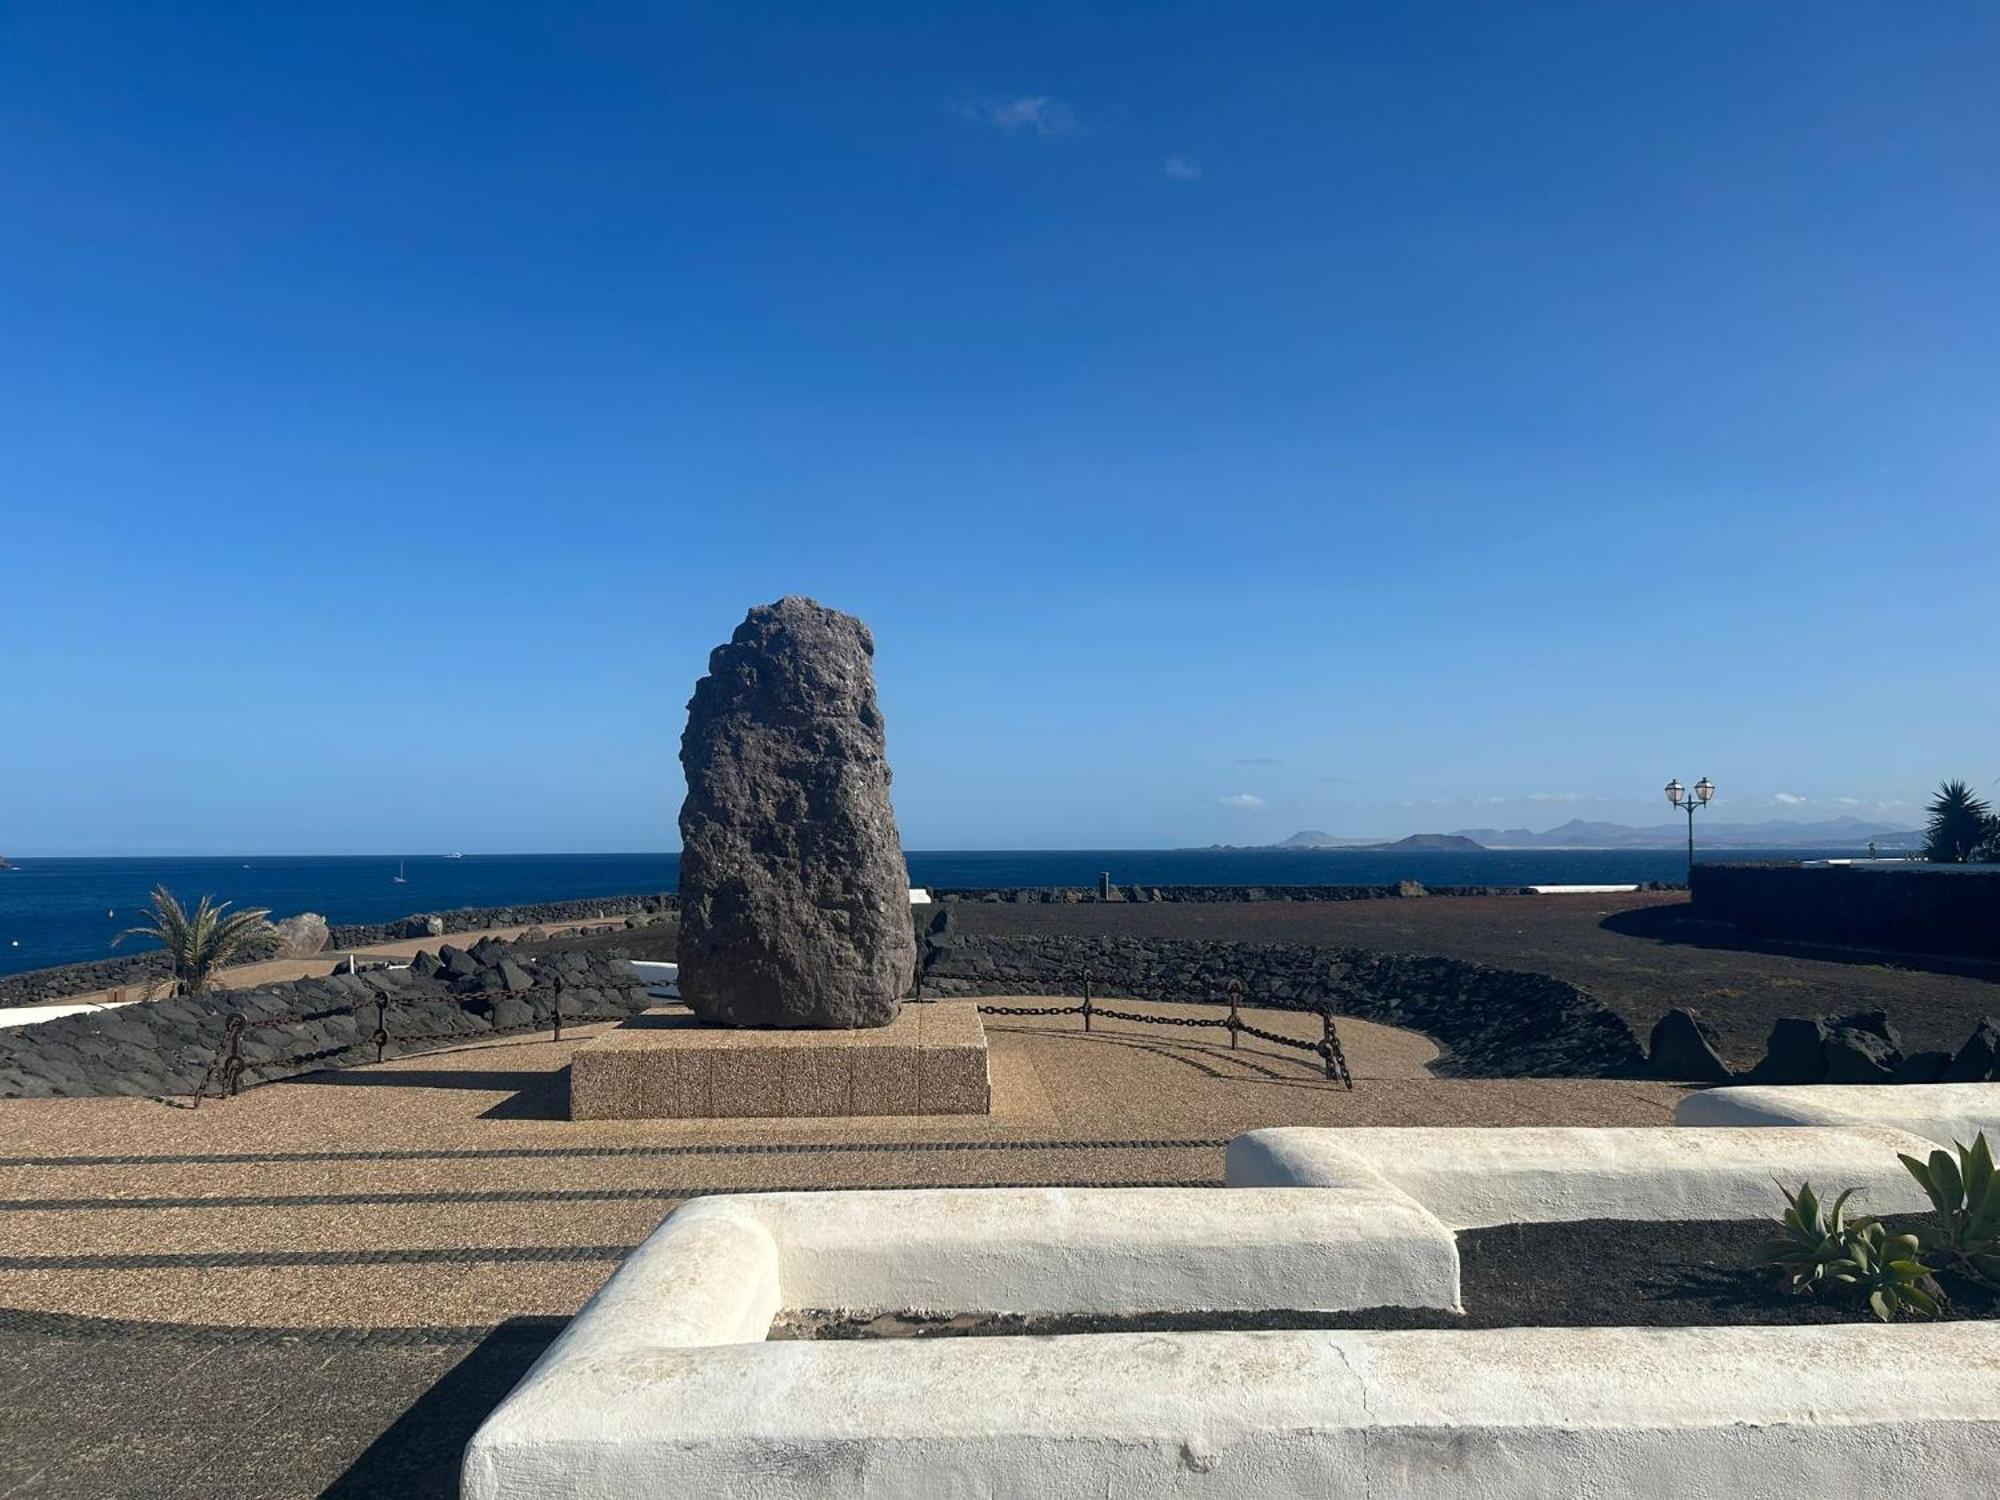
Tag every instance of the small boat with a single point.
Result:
(454, 855)
(398, 876)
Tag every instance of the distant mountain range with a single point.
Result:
(1832, 833)
(1778, 833)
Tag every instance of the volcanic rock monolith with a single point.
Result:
(794, 894)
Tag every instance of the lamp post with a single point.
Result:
(1690, 801)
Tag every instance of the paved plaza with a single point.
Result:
(322, 1285)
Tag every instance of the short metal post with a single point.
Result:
(1086, 999)
(555, 1013)
(1235, 994)
(232, 1067)
(1326, 1042)
(381, 1037)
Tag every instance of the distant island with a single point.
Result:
(1455, 843)
(1832, 833)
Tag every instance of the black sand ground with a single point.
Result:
(1598, 1273)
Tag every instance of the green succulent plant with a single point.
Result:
(1812, 1240)
(1966, 1194)
(1884, 1270)
(1821, 1250)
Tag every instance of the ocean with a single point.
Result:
(58, 911)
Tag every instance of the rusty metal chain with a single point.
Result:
(1327, 1048)
(228, 1061)
(227, 1068)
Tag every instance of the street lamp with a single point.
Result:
(1689, 801)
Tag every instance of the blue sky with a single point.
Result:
(1231, 419)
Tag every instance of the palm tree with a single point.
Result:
(1988, 852)
(198, 945)
(1960, 823)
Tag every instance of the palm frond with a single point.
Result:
(199, 944)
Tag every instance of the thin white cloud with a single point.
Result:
(1790, 799)
(1036, 114)
(1181, 169)
(1243, 802)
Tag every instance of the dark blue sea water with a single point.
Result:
(57, 911)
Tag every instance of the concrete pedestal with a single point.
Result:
(665, 1064)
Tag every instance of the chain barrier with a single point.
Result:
(225, 1070)
(1333, 1058)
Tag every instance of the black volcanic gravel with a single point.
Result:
(1637, 953)
(1595, 1273)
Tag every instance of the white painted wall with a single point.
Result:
(1108, 1250)
(34, 1015)
(1940, 1112)
(660, 1386)
(1515, 1414)
(1470, 1177)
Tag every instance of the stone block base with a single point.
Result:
(665, 1064)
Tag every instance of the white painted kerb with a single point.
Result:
(1940, 1112)
(1515, 1414)
(1105, 1250)
(34, 1015)
(662, 1386)
(1471, 1177)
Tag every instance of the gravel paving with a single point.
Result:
(320, 1286)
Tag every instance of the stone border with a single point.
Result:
(60, 981)
(478, 918)
(175, 1046)
(1492, 1023)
